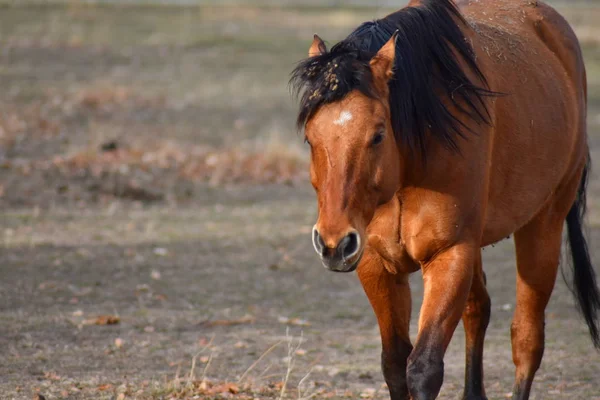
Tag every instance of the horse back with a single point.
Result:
(527, 24)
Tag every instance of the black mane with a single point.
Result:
(427, 67)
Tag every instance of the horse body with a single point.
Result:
(535, 145)
(531, 54)
(504, 134)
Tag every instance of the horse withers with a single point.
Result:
(434, 132)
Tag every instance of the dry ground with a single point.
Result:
(149, 171)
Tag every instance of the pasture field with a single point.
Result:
(155, 216)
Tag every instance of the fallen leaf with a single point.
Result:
(246, 319)
(52, 376)
(223, 388)
(203, 385)
(293, 321)
(103, 320)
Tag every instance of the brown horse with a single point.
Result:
(434, 132)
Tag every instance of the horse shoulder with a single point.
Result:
(433, 221)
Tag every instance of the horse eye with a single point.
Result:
(378, 138)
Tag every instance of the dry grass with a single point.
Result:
(247, 387)
(275, 164)
(250, 387)
(114, 162)
(106, 97)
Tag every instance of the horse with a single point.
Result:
(435, 131)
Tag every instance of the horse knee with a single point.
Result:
(479, 304)
(425, 377)
(479, 307)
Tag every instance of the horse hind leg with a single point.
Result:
(538, 247)
(476, 317)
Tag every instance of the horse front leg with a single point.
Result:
(447, 281)
(389, 295)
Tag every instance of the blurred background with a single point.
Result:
(155, 212)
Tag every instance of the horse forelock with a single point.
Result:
(330, 77)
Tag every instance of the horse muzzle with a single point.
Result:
(343, 257)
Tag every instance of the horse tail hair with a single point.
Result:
(584, 288)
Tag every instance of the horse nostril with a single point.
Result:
(349, 245)
(346, 248)
(318, 242)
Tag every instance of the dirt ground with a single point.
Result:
(155, 217)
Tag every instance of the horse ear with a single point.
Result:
(382, 64)
(317, 47)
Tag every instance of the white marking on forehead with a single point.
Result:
(345, 116)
